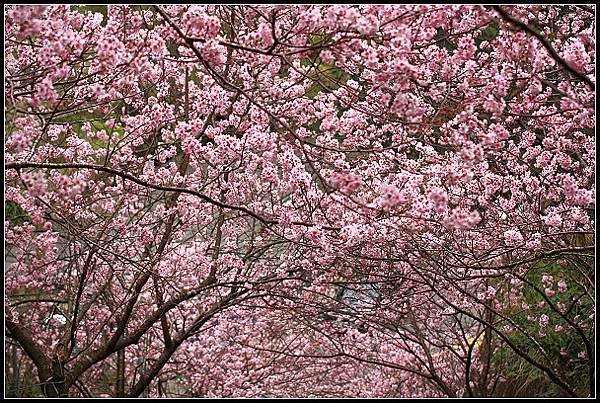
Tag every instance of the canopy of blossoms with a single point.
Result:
(299, 201)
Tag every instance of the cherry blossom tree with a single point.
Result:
(374, 200)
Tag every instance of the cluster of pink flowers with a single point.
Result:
(296, 200)
(198, 24)
(439, 198)
(513, 237)
(347, 183)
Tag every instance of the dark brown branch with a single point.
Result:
(102, 168)
(168, 351)
(48, 165)
(533, 31)
(25, 339)
(587, 8)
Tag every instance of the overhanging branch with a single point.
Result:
(533, 31)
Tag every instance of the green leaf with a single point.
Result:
(489, 33)
(15, 214)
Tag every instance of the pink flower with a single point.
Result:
(513, 238)
(390, 196)
(347, 183)
(463, 219)
(576, 55)
(552, 220)
(439, 198)
(562, 286)
(535, 243)
(549, 292)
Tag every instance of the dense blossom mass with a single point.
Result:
(297, 201)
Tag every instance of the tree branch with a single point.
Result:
(528, 28)
(102, 168)
(48, 165)
(25, 339)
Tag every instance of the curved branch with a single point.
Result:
(528, 28)
(25, 339)
(102, 168)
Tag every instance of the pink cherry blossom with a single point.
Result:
(513, 237)
(562, 286)
(298, 200)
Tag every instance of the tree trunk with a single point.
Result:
(120, 384)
